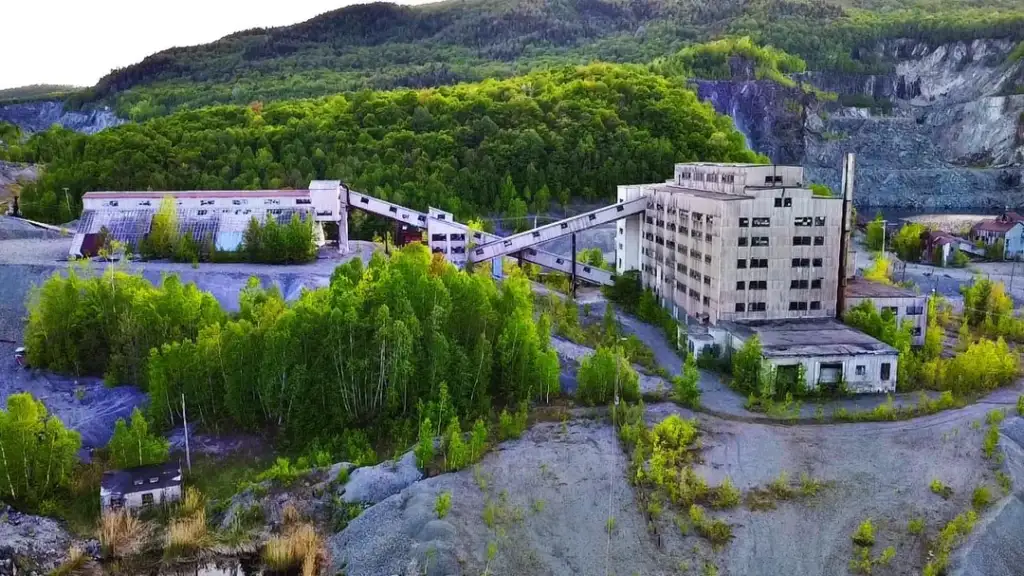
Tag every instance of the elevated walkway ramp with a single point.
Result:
(520, 242)
(543, 258)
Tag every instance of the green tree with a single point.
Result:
(876, 234)
(685, 389)
(134, 445)
(37, 453)
(604, 373)
(909, 242)
(747, 365)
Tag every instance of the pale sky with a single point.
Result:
(78, 41)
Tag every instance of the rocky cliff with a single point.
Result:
(38, 116)
(944, 130)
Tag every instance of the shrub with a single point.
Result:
(809, 486)
(1004, 481)
(478, 440)
(725, 495)
(981, 498)
(283, 472)
(995, 417)
(865, 534)
(941, 489)
(424, 450)
(443, 504)
(609, 525)
(512, 426)
(1020, 405)
(684, 386)
(456, 452)
(780, 488)
(915, 526)
(991, 442)
(715, 531)
(604, 373)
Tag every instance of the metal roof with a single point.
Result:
(141, 479)
(198, 194)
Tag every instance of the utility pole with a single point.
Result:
(184, 418)
(67, 201)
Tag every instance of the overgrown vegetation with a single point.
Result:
(629, 293)
(431, 327)
(268, 242)
(606, 375)
(715, 60)
(38, 456)
(511, 146)
(134, 445)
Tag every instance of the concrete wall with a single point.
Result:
(627, 232)
(689, 248)
(786, 223)
(448, 239)
(913, 309)
(870, 366)
(736, 179)
(134, 499)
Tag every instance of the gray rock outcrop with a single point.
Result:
(38, 116)
(951, 135)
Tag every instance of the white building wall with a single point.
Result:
(861, 373)
(628, 232)
(913, 309)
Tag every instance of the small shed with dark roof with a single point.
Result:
(141, 486)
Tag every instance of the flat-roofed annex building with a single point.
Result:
(732, 242)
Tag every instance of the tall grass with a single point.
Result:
(121, 534)
(300, 547)
(77, 563)
(187, 536)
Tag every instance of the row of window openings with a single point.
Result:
(763, 263)
(760, 306)
(726, 178)
(455, 250)
(693, 294)
(763, 241)
(764, 222)
(452, 237)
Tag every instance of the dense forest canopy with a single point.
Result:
(382, 45)
(503, 145)
(381, 345)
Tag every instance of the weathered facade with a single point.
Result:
(1009, 228)
(831, 353)
(905, 304)
(732, 242)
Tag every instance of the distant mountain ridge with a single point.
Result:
(382, 45)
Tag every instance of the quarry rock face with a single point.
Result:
(943, 130)
(38, 116)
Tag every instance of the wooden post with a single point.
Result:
(184, 418)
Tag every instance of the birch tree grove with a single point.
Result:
(37, 453)
(373, 347)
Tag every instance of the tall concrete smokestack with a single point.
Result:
(845, 233)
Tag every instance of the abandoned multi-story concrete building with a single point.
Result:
(735, 250)
(735, 242)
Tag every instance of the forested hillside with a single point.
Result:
(384, 46)
(493, 146)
